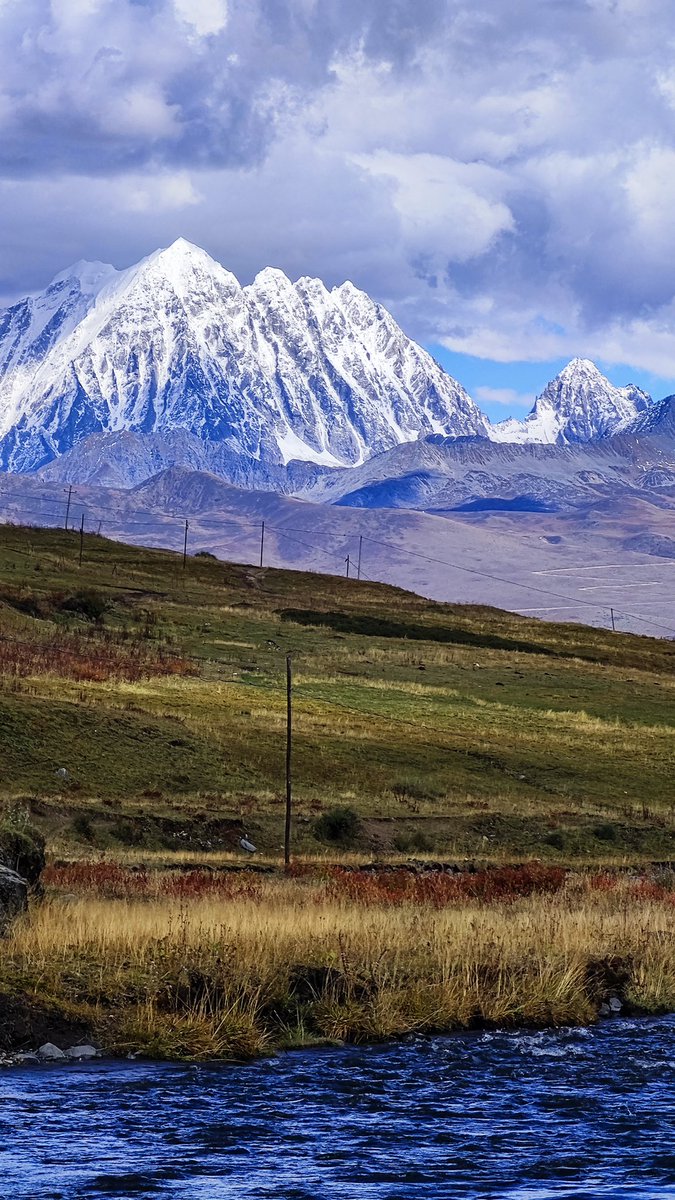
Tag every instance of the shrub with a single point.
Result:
(23, 850)
(83, 827)
(418, 840)
(606, 832)
(338, 826)
(409, 790)
(439, 889)
(556, 839)
(128, 833)
(86, 603)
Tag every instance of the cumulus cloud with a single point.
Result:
(501, 176)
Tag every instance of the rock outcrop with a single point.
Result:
(13, 897)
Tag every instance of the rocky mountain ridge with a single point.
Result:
(579, 405)
(110, 376)
(273, 372)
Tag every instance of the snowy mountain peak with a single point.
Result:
(270, 372)
(579, 405)
(580, 369)
(179, 263)
(272, 278)
(181, 246)
(90, 277)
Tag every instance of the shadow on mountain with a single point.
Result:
(369, 626)
(505, 504)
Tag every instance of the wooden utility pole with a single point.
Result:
(70, 492)
(289, 753)
(347, 562)
(358, 567)
(262, 542)
(611, 613)
(81, 538)
(185, 545)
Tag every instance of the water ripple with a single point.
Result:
(558, 1115)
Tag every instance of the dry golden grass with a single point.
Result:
(282, 961)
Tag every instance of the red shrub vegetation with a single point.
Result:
(112, 881)
(438, 889)
(87, 659)
(602, 882)
(648, 889)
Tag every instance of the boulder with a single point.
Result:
(50, 1053)
(23, 850)
(13, 896)
(82, 1052)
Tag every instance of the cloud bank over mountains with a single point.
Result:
(502, 177)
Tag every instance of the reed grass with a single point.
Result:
(246, 965)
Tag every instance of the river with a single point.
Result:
(556, 1114)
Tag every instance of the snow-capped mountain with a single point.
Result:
(273, 372)
(579, 405)
(657, 421)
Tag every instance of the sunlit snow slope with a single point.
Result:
(579, 405)
(274, 372)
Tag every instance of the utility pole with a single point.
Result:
(262, 542)
(347, 562)
(185, 545)
(70, 492)
(611, 613)
(358, 568)
(289, 752)
(81, 538)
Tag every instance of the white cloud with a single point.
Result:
(509, 397)
(447, 209)
(205, 16)
(501, 176)
(161, 194)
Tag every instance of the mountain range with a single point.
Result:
(269, 373)
(169, 392)
(112, 376)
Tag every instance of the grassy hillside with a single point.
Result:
(451, 730)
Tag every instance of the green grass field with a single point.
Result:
(451, 730)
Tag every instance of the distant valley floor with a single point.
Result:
(612, 561)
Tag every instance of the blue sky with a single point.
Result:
(500, 176)
(521, 382)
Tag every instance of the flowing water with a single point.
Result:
(571, 1113)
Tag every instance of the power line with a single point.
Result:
(500, 579)
(159, 523)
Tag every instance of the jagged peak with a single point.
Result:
(181, 248)
(310, 283)
(273, 372)
(583, 368)
(90, 275)
(272, 278)
(349, 290)
(179, 263)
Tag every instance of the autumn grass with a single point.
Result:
(473, 731)
(256, 963)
